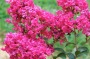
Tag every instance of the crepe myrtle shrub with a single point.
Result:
(37, 31)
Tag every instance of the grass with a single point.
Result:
(48, 5)
(4, 27)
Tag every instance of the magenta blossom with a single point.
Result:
(20, 47)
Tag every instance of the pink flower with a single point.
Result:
(34, 26)
(61, 41)
(8, 20)
(83, 19)
(21, 47)
(74, 6)
(9, 1)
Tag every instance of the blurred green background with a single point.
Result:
(49, 5)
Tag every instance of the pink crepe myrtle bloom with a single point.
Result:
(74, 6)
(20, 47)
(34, 26)
(83, 23)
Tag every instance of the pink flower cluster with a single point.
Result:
(31, 25)
(30, 19)
(34, 25)
(83, 22)
(74, 6)
(20, 47)
(63, 25)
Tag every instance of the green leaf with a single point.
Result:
(60, 50)
(54, 57)
(50, 41)
(70, 43)
(62, 55)
(77, 53)
(71, 56)
(81, 51)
